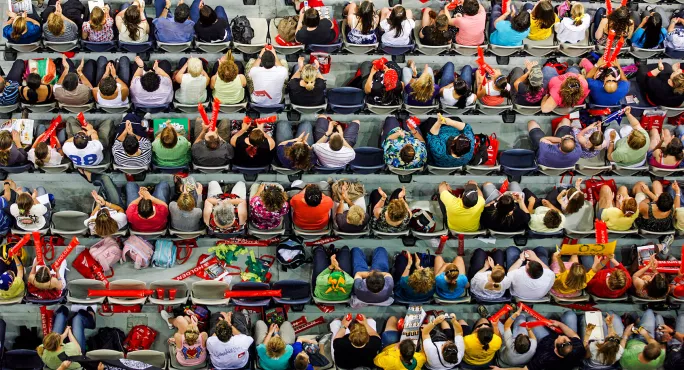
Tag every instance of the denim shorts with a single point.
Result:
(390, 337)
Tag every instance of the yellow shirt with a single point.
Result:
(559, 284)
(460, 218)
(390, 359)
(538, 33)
(475, 354)
(616, 220)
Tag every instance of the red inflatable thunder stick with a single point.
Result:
(454, 4)
(203, 113)
(609, 8)
(252, 293)
(484, 68)
(504, 310)
(51, 132)
(610, 56)
(81, 119)
(258, 121)
(538, 316)
(38, 245)
(504, 6)
(601, 231)
(14, 251)
(532, 324)
(60, 259)
(120, 293)
(214, 114)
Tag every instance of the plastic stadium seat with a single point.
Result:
(432, 207)
(596, 299)
(17, 169)
(212, 47)
(655, 234)
(662, 172)
(188, 108)
(104, 354)
(209, 292)
(309, 110)
(641, 53)
(131, 170)
(345, 100)
(310, 234)
(68, 224)
(273, 32)
(267, 109)
(153, 108)
(266, 234)
(390, 235)
(527, 110)
(504, 51)
(325, 302)
(210, 170)
(138, 48)
(397, 50)
(325, 48)
(504, 299)
(21, 359)
(505, 234)
(467, 49)
(233, 108)
(250, 173)
(481, 170)
(403, 302)
(544, 299)
(40, 108)
(453, 111)
(518, 162)
(427, 49)
(76, 109)
(23, 232)
(540, 48)
(672, 111)
(493, 110)
(417, 110)
(170, 169)
(287, 171)
(613, 234)
(150, 357)
(405, 175)
(554, 171)
(78, 291)
(115, 110)
(60, 168)
(7, 109)
(355, 48)
(329, 170)
(251, 302)
(24, 48)
(579, 234)
(593, 166)
(442, 171)
(174, 47)
(295, 292)
(630, 170)
(564, 111)
(61, 46)
(349, 235)
(182, 292)
(187, 234)
(260, 26)
(584, 297)
(461, 300)
(368, 160)
(173, 362)
(99, 47)
(149, 235)
(544, 235)
(127, 284)
(467, 234)
(578, 49)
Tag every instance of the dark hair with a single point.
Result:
(366, 14)
(564, 350)
(43, 274)
(501, 83)
(535, 269)
(267, 60)
(521, 343)
(459, 145)
(450, 353)
(575, 202)
(657, 287)
(212, 142)
(150, 81)
(33, 81)
(552, 219)
(81, 140)
(375, 282)
(665, 202)
(652, 31)
(130, 144)
(313, 195)
(168, 137)
(145, 208)
(619, 21)
(521, 21)
(675, 149)
(107, 85)
(406, 349)
(41, 152)
(471, 7)
(439, 34)
(503, 208)
(300, 155)
(336, 143)
(70, 81)
(396, 18)
(6, 143)
(311, 18)
(273, 198)
(485, 335)
(544, 15)
(407, 153)
(207, 16)
(132, 21)
(182, 13)
(223, 330)
(463, 90)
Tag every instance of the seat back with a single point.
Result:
(209, 289)
(267, 109)
(69, 221)
(24, 48)
(40, 108)
(517, 158)
(174, 47)
(22, 359)
(154, 358)
(99, 47)
(345, 100)
(397, 50)
(61, 46)
(368, 160)
(132, 47)
(17, 169)
(78, 290)
(293, 289)
(260, 26)
(104, 354)
(171, 169)
(273, 32)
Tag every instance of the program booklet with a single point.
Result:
(23, 126)
(595, 318)
(92, 4)
(18, 6)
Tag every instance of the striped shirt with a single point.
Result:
(10, 93)
(122, 158)
(330, 158)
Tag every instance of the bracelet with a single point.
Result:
(678, 194)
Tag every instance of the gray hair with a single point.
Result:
(224, 213)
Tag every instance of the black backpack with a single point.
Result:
(480, 155)
(293, 243)
(241, 29)
(27, 338)
(107, 338)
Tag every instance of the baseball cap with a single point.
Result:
(536, 78)
(470, 195)
(6, 280)
(390, 79)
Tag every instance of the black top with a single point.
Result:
(659, 92)
(545, 358)
(349, 357)
(674, 360)
(212, 33)
(301, 96)
(263, 156)
(525, 97)
(378, 96)
(344, 226)
(434, 37)
(323, 34)
(515, 222)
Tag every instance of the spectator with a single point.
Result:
(518, 347)
(362, 21)
(528, 84)
(435, 29)
(403, 145)
(674, 359)
(619, 20)
(450, 142)
(335, 141)
(579, 214)
(72, 9)
(177, 29)
(662, 84)
(111, 90)
(106, 218)
(311, 29)
(420, 90)
(12, 152)
(53, 347)
(545, 218)
(100, 26)
(610, 281)
(228, 347)
(565, 91)
(607, 85)
(190, 343)
(572, 28)
(227, 81)
(443, 344)
(470, 24)
(675, 35)
(131, 150)
(253, 147)
(355, 343)
(374, 284)
(274, 345)
(658, 219)
(212, 148)
(351, 216)
(28, 211)
(397, 25)
(650, 34)
(295, 153)
(618, 211)
(211, 25)
(9, 83)
(151, 88)
(456, 90)
(12, 281)
(591, 139)
(390, 216)
(485, 284)
(186, 211)
(268, 205)
(666, 150)
(509, 28)
(398, 355)
(504, 212)
(331, 276)
(75, 88)
(36, 91)
(607, 351)
(268, 77)
(450, 280)
(131, 22)
(85, 146)
(631, 146)
(59, 28)
(481, 344)
(193, 84)
(311, 208)
(528, 272)
(542, 20)
(225, 212)
(47, 284)
(169, 149)
(43, 153)
(571, 277)
(462, 213)
(648, 282)
(21, 29)
(414, 279)
(644, 352)
(9, 196)
(147, 212)
(307, 86)
(494, 90)
(558, 151)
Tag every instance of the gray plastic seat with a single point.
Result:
(4, 109)
(382, 110)
(212, 47)
(24, 48)
(149, 235)
(104, 354)
(544, 299)
(569, 300)
(182, 292)
(209, 292)
(641, 53)
(127, 284)
(492, 110)
(672, 111)
(468, 234)
(131, 170)
(260, 26)
(309, 110)
(76, 109)
(68, 224)
(267, 234)
(467, 49)
(232, 108)
(78, 291)
(526, 110)
(61, 46)
(311, 234)
(662, 172)
(554, 171)
(99, 169)
(593, 166)
(419, 110)
(188, 108)
(453, 111)
(444, 301)
(40, 108)
(629, 171)
(60, 168)
(597, 299)
(355, 48)
(540, 48)
(187, 234)
(442, 171)
(481, 170)
(174, 47)
(115, 110)
(428, 49)
(147, 356)
(211, 170)
(639, 300)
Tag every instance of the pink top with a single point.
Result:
(556, 82)
(191, 355)
(655, 163)
(470, 28)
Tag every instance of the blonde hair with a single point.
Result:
(186, 202)
(358, 335)
(97, 19)
(18, 28)
(423, 88)
(191, 336)
(422, 280)
(275, 347)
(636, 140)
(355, 215)
(617, 280)
(309, 73)
(577, 12)
(678, 84)
(575, 279)
(55, 24)
(105, 225)
(51, 342)
(396, 210)
(194, 67)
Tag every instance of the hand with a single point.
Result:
(260, 126)
(201, 4)
(609, 319)
(361, 318)
(516, 197)
(402, 193)
(417, 261)
(660, 64)
(439, 319)
(129, 127)
(98, 199)
(628, 330)
(410, 259)
(273, 328)
(155, 65)
(345, 322)
(344, 188)
(554, 323)
(15, 135)
(600, 63)
(339, 130)
(139, 62)
(65, 64)
(643, 331)
(529, 65)
(382, 193)
(546, 203)
(666, 329)
(491, 261)
(518, 312)
(79, 69)
(590, 328)
(628, 111)
(245, 126)
(578, 182)
(168, 3)
(675, 186)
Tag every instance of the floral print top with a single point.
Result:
(104, 35)
(393, 147)
(264, 219)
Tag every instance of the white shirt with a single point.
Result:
(509, 356)
(55, 157)
(597, 359)
(231, 355)
(433, 353)
(34, 220)
(477, 286)
(403, 39)
(566, 31)
(268, 84)
(330, 158)
(523, 286)
(192, 90)
(119, 217)
(91, 155)
(448, 99)
(537, 221)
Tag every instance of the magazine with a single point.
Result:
(595, 318)
(92, 4)
(23, 126)
(644, 253)
(18, 6)
(412, 322)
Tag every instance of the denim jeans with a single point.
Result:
(161, 192)
(321, 261)
(477, 260)
(447, 74)
(123, 69)
(569, 318)
(81, 321)
(515, 329)
(350, 133)
(283, 131)
(513, 253)
(379, 260)
(467, 75)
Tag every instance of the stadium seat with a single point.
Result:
(151, 357)
(40, 108)
(76, 109)
(345, 100)
(131, 170)
(104, 354)
(115, 110)
(432, 207)
(368, 160)
(127, 284)
(99, 47)
(78, 291)
(641, 53)
(209, 292)
(188, 108)
(21, 359)
(294, 292)
(68, 224)
(182, 292)
(583, 297)
(150, 235)
(579, 49)
(597, 299)
(233, 108)
(174, 47)
(427, 49)
(467, 49)
(355, 48)
(251, 302)
(267, 108)
(187, 234)
(137, 48)
(518, 162)
(554, 171)
(61, 46)
(506, 298)
(273, 32)
(540, 48)
(170, 169)
(260, 26)
(212, 47)
(444, 301)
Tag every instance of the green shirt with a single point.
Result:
(626, 156)
(15, 290)
(51, 358)
(630, 357)
(337, 287)
(179, 155)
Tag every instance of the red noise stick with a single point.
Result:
(252, 293)
(120, 293)
(538, 316)
(203, 113)
(484, 67)
(52, 129)
(214, 115)
(504, 6)
(504, 310)
(609, 8)
(20, 244)
(81, 119)
(63, 256)
(531, 324)
(38, 242)
(609, 45)
(616, 51)
(623, 3)
(258, 121)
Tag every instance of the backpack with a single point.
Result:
(107, 338)
(140, 251)
(27, 339)
(290, 253)
(485, 151)
(140, 337)
(164, 254)
(241, 29)
(287, 28)
(422, 221)
(106, 252)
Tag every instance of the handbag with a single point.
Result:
(592, 188)
(324, 61)
(653, 118)
(561, 68)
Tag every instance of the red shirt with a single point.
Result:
(154, 223)
(311, 218)
(598, 285)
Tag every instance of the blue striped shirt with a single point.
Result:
(10, 94)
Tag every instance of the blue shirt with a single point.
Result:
(443, 288)
(406, 293)
(10, 94)
(296, 348)
(5, 219)
(505, 35)
(638, 41)
(550, 155)
(280, 363)
(168, 30)
(32, 34)
(599, 95)
(410, 99)
(439, 152)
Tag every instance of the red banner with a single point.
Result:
(196, 269)
(46, 320)
(63, 256)
(322, 241)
